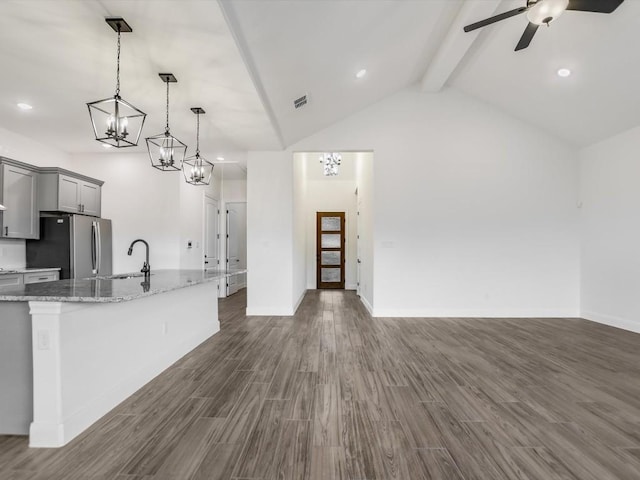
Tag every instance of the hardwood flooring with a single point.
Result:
(334, 394)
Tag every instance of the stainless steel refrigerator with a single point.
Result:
(79, 245)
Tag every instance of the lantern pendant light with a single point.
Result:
(166, 152)
(115, 121)
(197, 170)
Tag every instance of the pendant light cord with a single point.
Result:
(167, 126)
(198, 136)
(118, 67)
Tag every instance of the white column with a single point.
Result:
(47, 428)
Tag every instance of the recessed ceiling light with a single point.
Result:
(106, 145)
(220, 159)
(361, 73)
(24, 106)
(564, 72)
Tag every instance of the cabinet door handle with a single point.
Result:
(79, 207)
(6, 231)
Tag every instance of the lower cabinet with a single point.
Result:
(38, 277)
(11, 279)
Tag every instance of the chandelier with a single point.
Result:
(166, 152)
(115, 121)
(331, 162)
(197, 170)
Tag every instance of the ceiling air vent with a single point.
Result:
(300, 102)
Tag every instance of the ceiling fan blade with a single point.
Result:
(497, 18)
(527, 36)
(597, 6)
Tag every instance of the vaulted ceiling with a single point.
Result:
(245, 61)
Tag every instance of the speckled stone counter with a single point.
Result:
(106, 290)
(13, 271)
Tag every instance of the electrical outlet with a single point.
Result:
(44, 340)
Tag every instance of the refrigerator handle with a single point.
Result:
(94, 246)
(99, 249)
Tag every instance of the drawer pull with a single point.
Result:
(43, 278)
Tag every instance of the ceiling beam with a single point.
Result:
(456, 43)
(236, 31)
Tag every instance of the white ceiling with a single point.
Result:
(315, 47)
(245, 61)
(601, 97)
(58, 55)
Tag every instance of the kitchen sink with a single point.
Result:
(121, 276)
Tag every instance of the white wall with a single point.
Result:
(23, 149)
(610, 262)
(142, 202)
(270, 239)
(234, 190)
(474, 212)
(300, 232)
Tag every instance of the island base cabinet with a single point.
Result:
(16, 394)
(89, 357)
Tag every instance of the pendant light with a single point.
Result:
(197, 170)
(115, 121)
(166, 152)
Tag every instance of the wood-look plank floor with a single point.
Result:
(332, 393)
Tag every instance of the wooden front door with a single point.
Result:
(330, 240)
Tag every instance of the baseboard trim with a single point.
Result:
(475, 313)
(367, 305)
(612, 321)
(297, 305)
(269, 312)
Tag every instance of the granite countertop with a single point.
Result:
(105, 290)
(14, 271)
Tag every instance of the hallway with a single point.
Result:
(333, 394)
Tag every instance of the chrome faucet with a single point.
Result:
(146, 268)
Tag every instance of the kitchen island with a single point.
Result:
(71, 350)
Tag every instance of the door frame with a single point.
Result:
(342, 249)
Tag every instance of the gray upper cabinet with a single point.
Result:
(64, 191)
(20, 197)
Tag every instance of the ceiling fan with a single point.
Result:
(543, 12)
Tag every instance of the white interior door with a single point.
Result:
(211, 233)
(236, 244)
(358, 244)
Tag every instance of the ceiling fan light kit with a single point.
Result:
(546, 11)
(543, 12)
